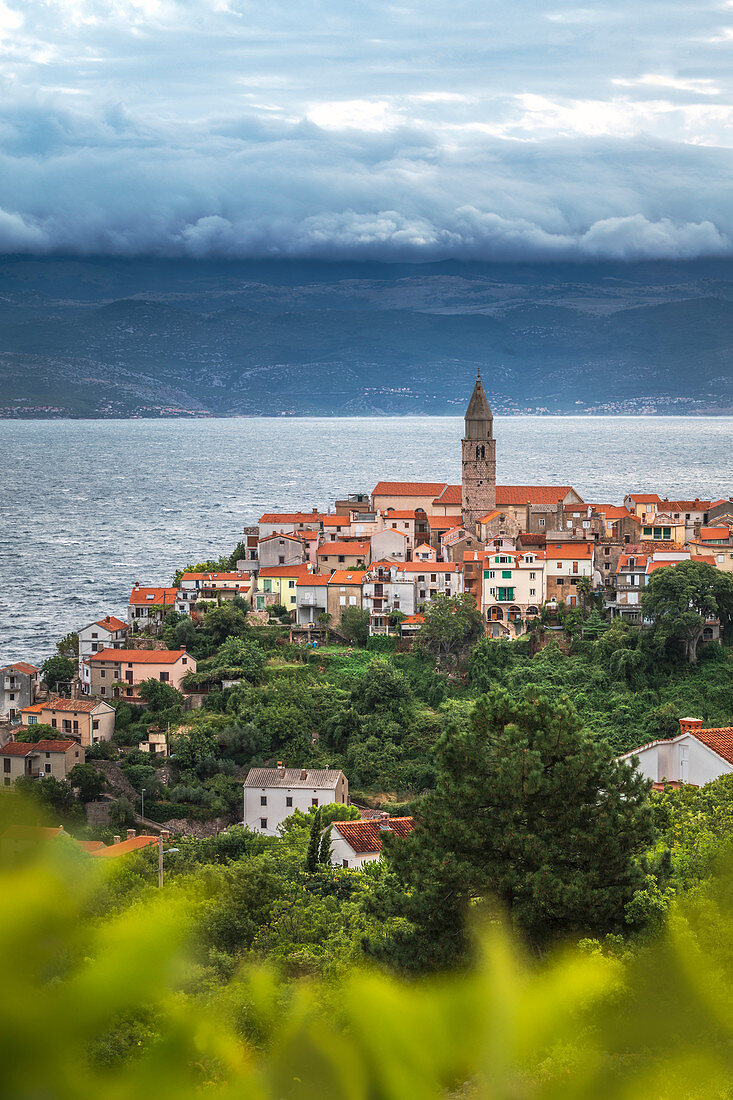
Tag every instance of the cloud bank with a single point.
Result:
(217, 128)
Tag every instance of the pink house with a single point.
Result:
(111, 668)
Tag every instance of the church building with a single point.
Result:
(478, 467)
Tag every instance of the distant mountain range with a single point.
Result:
(101, 337)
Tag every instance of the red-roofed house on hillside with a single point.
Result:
(344, 590)
(311, 598)
(272, 523)
(18, 689)
(129, 667)
(88, 721)
(354, 843)
(107, 633)
(147, 607)
(697, 755)
(283, 549)
(22, 759)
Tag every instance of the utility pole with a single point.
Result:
(160, 861)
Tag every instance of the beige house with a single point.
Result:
(86, 720)
(342, 555)
(20, 759)
(407, 495)
(130, 667)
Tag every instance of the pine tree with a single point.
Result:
(324, 850)
(527, 810)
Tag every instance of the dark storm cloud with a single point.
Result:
(371, 131)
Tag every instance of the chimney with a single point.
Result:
(165, 834)
(279, 763)
(131, 833)
(384, 820)
(116, 839)
(689, 725)
(304, 774)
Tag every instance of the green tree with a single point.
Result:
(243, 654)
(224, 621)
(314, 843)
(160, 696)
(452, 623)
(679, 599)
(58, 672)
(69, 646)
(355, 625)
(527, 809)
(190, 747)
(90, 782)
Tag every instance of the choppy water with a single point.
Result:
(90, 506)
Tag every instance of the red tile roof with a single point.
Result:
(286, 570)
(720, 740)
(365, 836)
(336, 521)
(77, 706)
(713, 533)
(138, 656)
(444, 523)
(111, 623)
(31, 832)
(528, 538)
(23, 748)
(343, 546)
(428, 566)
(21, 666)
(612, 511)
(412, 619)
(347, 576)
(290, 517)
(395, 513)
(408, 488)
(569, 550)
(452, 494)
(313, 580)
(293, 536)
(687, 505)
(159, 596)
(16, 748)
(55, 746)
(535, 494)
(645, 498)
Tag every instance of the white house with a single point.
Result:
(695, 756)
(106, 633)
(389, 543)
(354, 843)
(272, 794)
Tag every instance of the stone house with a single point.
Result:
(18, 689)
(346, 554)
(344, 590)
(282, 549)
(565, 564)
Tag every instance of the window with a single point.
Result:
(291, 584)
(6, 764)
(314, 801)
(533, 576)
(559, 565)
(345, 864)
(342, 558)
(289, 800)
(184, 660)
(492, 574)
(263, 822)
(7, 781)
(542, 523)
(76, 726)
(342, 601)
(506, 574)
(95, 635)
(53, 720)
(263, 800)
(352, 600)
(559, 581)
(32, 719)
(102, 674)
(164, 677)
(47, 769)
(281, 559)
(532, 592)
(101, 691)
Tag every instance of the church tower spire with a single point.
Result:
(478, 469)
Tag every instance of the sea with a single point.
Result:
(89, 507)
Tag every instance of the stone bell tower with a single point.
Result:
(478, 476)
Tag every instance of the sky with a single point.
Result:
(349, 129)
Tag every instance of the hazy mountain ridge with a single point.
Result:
(152, 338)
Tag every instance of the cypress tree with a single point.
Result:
(311, 859)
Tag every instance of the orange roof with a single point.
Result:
(535, 494)
(715, 532)
(413, 619)
(55, 746)
(408, 488)
(291, 517)
(610, 511)
(31, 832)
(314, 579)
(286, 570)
(528, 538)
(569, 550)
(111, 623)
(16, 748)
(395, 513)
(365, 836)
(640, 561)
(157, 595)
(347, 576)
(687, 505)
(452, 494)
(126, 846)
(77, 706)
(444, 523)
(336, 521)
(709, 559)
(645, 498)
(138, 656)
(292, 535)
(488, 516)
(654, 565)
(21, 666)
(344, 546)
